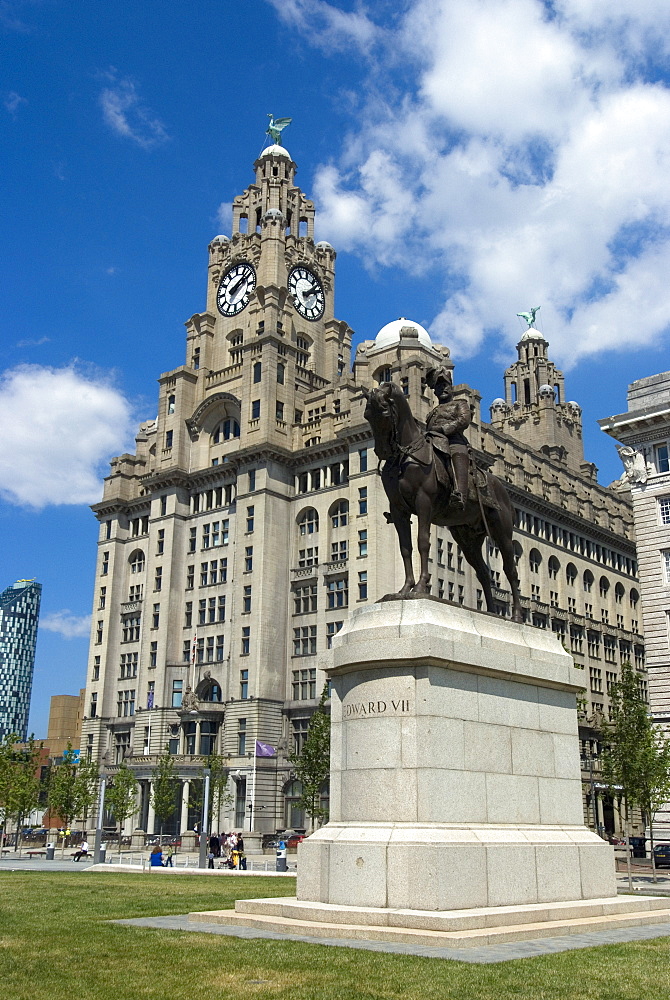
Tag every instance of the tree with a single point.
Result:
(164, 786)
(72, 788)
(121, 796)
(635, 758)
(312, 766)
(25, 789)
(218, 789)
(6, 757)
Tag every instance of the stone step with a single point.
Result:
(449, 920)
(464, 938)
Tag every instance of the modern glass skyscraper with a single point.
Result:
(19, 615)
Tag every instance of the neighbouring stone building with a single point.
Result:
(644, 432)
(249, 521)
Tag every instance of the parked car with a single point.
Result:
(295, 839)
(662, 855)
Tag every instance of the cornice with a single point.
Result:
(566, 519)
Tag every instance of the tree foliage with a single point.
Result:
(635, 756)
(72, 788)
(312, 766)
(19, 780)
(219, 795)
(121, 796)
(164, 786)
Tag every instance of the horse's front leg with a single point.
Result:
(403, 526)
(424, 510)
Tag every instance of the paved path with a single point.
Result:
(491, 953)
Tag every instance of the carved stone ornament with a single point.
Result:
(634, 464)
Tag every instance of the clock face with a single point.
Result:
(307, 293)
(235, 289)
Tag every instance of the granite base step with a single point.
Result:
(456, 929)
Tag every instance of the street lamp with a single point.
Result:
(204, 825)
(104, 762)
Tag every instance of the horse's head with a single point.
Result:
(380, 413)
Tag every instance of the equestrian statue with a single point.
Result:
(433, 476)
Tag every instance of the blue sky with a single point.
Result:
(468, 158)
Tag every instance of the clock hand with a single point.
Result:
(238, 284)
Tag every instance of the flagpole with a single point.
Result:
(253, 791)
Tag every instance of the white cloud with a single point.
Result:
(59, 430)
(125, 114)
(326, 25)
(67, 624)
(526, 161)
(13, 102)
(224, 216)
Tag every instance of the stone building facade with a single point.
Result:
(249, 521)
(644, 432)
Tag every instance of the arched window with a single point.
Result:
(209, 690)
(339, 513)
(553, 566)
(227, 429)
(535, 560)
(308, 522)
(571, 574)
(171, 404)
(634, 597)
(257, 371)
(518, 552)
(136, 561)
(604, 586)
(383, 375)
(588, 581)
(619, 593)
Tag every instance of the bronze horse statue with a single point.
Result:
(414, 486)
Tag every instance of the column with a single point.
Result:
(185, 792)
(151, 817)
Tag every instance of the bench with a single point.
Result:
(31, 854)
(82, 854)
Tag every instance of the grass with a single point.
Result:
(55, 944)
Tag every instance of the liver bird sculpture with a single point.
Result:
(530, 315)
(275, 127)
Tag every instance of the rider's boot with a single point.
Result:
(460, 463)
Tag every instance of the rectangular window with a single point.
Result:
(153, 655)
(304, 640)
(338, 593)
(209, 657)
(255, 409)
(246, 639)
(664, 509)
(158, 578)
(662, 463)
(190, 577)
(202, 611)
(168, 438)
(308, 557)
(246, 601)
(244, 684)
(102, 598)
(163, 506)
(665, 556)
(305, 599)
(252, 480)
(98, 632)
(221, 608)
(186, 651)
(241, 737)
(304, 684)
(280, 373)
(363, 586)
(279, 410)
(211, 610)
(332, 628)
(156, 616)
(93, 707)
(363, 500)
(338, 551)
(108, 529)
(125, 703)
(177, 689)
(362, 459)
(219, 648)
(363, 543)
(250, 519)
(160, 543)
(248, 558)
(96, 668)
(300, 730)
(105, 564)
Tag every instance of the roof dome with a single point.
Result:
(532, 334)
(273, 213)
(276, 150)
(323, 245)
(220, 239)
(498, 402)
(546, 390)
(390, 334)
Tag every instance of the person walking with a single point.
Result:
(168, 856)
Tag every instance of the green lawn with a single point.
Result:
(55, 945)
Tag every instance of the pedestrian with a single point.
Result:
(156, 857)
(215, 845)
(82, 852)
(210, 859)
(168, 856)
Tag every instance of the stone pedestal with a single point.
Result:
(455, 777)
(189, 841)
(138, 839)
(456, 804)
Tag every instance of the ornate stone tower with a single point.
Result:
(535, 410)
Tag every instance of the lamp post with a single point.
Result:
(104, 761)
(204, 825)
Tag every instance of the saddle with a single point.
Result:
(478, 481)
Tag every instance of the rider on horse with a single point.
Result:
(444, 429)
